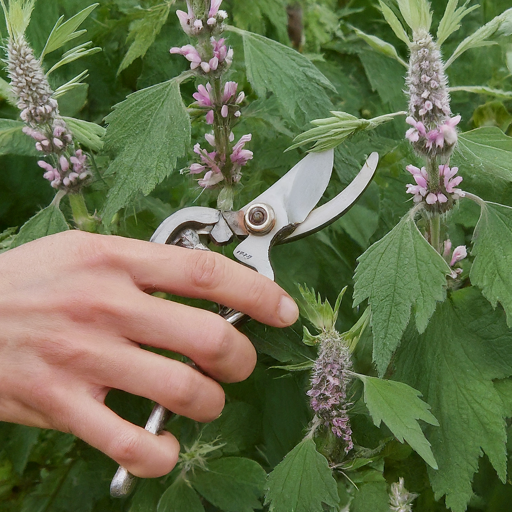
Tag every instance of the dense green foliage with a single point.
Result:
(432, 392)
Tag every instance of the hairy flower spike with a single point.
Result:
(400, 499)
(330, 379)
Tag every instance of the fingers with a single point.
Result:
(218, 348)
(141, 453)
(204, 274)
(173, 384)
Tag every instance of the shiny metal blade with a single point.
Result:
(335, 208)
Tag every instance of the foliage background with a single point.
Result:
(266, 416)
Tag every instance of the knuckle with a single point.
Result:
(184, 388)
(206, 270)
(94, 251)
(126, 447)
(217, 339)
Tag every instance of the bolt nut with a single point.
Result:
(260, 219)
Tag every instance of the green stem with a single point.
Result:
(83, 220)
(435, 232)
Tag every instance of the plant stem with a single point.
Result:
(83, 220)
(435, 232)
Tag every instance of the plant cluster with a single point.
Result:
(399, 401)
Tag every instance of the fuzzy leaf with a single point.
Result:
(453, 363)
(86, 133)
(62, 33)
(180, 497)
(398, 272)
(17, 16)
(232, 484)
(500, 26)
(451, 19)
(416, 14)
(394, 23)
(482, 89)
(149, 131)
(381, 46)
(302, 482)
(13, 141)
(143, 33)
(298, 86)
(399, 407)
(47, 222)
(493, 256)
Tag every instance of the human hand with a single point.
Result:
(74, 310)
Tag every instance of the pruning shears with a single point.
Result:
(283, 213)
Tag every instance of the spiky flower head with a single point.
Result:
(400, 499)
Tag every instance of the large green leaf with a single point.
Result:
(484, 157)
(399, 407)
(302, 482)
(492, 268)
(47, 222)
(180, 497)
(297, 84)
(398, 272)
(233, 484)
(149, 131)
(13, 141)
(453, 363)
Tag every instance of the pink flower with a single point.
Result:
(448, 131)
(241, 156)
(434, 136)
(418, 128)
(209, 117)
(229, 91)
(210, 179)
(202, 96)
(196, 168)
(448, 175)
(459, 254)
(190, 53)
(447, 247)
(214, 8)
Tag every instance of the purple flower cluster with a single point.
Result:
(433, 129)
(330, 379)
(219, 100)
(444, 193)
(41, 113)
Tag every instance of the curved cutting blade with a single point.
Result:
(335, 208)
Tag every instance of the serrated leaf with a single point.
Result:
(47, 222)
(13, 141)
(484, 157)
(394, 23)
(149, 131)
(86, 133)
(491, 270)
(62, 33)
(232, 484)
(143, 32)
(180, 497)
(381, 46)
(453, 363)
(399, 407)
(297, 84)
(399, 272)
(452, 17)
(302, 482)
(501, 25)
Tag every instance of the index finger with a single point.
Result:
(206, 275)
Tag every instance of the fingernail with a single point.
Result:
(288, 311)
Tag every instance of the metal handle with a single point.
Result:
(124, 482)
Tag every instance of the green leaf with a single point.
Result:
(453, 363)
(6, 92)
(86, 133)
(149, 131)
(74, 54)
(74, 83)
(62, 33)
(13, 141)
(47, 222)
(451, 19)
(17, 16)
(499, 26)
(372, 497)
(491, 270)
(298, 86)
(484, 157)
(398, 272)
(399, 407)
(394, 23)
(21, 442)
(232, 484)
(416, 14)
(381, 46)
(482, 89)
(143, 32)
(302, 482)
(180, 497)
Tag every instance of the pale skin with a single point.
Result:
(75, 309)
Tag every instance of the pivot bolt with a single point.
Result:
(260, 219)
